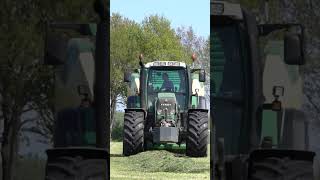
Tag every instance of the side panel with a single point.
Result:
(77, 70)
(134, 84)
(133, 100)
(292, 124)
(197, 88)
(269, 125)
(278, 73)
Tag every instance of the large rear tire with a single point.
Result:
(274, 168)
(133, 133)
(197, 134)
(70, 168)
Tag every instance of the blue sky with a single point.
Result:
(193, 13)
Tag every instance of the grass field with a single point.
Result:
(30, 169)
(158, 164)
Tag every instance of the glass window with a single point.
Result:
(227, 68)
(167, 80)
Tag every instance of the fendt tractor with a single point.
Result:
(166, 106)
(79, 55)
(260, 131)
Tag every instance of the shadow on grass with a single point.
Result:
(176, 152)
(117, 155)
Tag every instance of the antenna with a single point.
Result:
(140, 60)
(194, 58)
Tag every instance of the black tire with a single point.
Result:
(76, 168)
(274, 168)
(197, 134)
(133, 133)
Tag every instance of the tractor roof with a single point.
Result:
(221, 8)
(166, 63)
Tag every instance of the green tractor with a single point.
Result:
(166, 106)
(259, 129)
(78, 53)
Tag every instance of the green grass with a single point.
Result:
(157, 164)
(28, 169)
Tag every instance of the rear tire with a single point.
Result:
(197, 134)
(69, 168)
(133, 132)
(274, 168)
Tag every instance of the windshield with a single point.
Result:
(227, 68)
(167, 80)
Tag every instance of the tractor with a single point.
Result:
(166, 106)
(78, 53)
(259, 129)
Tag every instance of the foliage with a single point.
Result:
(200, 46)
(159, 40)
(117, 130)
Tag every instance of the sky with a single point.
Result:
(195, 13)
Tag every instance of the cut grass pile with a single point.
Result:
(157, 164)
(164, 161)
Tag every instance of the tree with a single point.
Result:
(201, 47)
(159, 41)
(124, 49)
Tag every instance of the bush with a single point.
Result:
(117, 129)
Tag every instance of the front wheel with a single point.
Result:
(197, 134)
(68, 167)
(133, 132)
(282, 168)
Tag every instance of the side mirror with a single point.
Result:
(293, 49)
(127, 77)
(202, 75)
(83, 90)
(55, 49)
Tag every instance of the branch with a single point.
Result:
(25, 122)
(36, 131)
(312, 103)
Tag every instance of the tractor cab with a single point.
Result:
(167, 88)
(166, 94)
